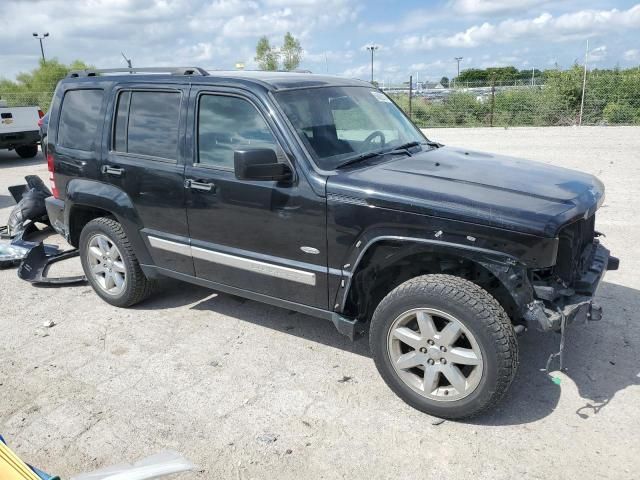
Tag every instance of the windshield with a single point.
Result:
(338, 124)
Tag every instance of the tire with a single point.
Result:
(484, 352)
(27, 151)
(121, 263)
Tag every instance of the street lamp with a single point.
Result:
(373, 48)
(457, 59)
(41, 37)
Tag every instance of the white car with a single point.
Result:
(19, 129)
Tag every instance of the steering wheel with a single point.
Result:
(369, 140)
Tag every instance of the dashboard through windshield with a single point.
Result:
(338, 124)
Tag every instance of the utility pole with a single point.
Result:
(41, 37)
(372, 48)
(533, 76)
(457, 59)
(584, 83)
(410, 94)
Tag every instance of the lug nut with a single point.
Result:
(443, 361)
(423, 350)
(430, 342)
(430, 361)
(443, 349)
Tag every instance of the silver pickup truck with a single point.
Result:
(19, 129)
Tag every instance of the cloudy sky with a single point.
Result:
(414, 36)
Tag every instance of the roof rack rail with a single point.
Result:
(94, 72)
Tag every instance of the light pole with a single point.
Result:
(457, 59)
(41, 37)
(373, 48)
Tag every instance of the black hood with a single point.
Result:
(488, 189)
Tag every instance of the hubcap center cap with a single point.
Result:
(433, 352)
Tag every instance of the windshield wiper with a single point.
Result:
(360, 158)
(399, 149)
(405, 148)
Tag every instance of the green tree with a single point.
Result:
(265, 55)
(472, 75)
(444, 81)
(502, 74)
(37, 87)
(291, 52)
(498, 75)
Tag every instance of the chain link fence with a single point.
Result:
(558, 98)
(40, 99)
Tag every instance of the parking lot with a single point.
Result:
(246, 390)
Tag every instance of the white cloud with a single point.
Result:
(329, 56)
(482, 7)
(360, 71)
(568, 26)
(159, 32)
(429, 67)
(598, 54)
(413, 20)
(632, 55)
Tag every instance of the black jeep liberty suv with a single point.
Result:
(317, 194)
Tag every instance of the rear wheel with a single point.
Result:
(27, 151)
(444, 345)
(110, 265)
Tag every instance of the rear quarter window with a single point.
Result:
(79, 118)
(147, 123)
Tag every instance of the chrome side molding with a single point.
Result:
(234, 261)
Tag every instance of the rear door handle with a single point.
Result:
(113, 171)
(200, 186)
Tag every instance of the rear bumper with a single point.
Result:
(555, 302)
(17, 139)
(55, 212)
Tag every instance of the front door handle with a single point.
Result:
(200, 186)
(113, 171)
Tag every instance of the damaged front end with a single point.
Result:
(564, 293)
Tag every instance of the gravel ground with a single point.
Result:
(246, 390)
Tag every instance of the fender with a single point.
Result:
(506, 268)
(103, 196)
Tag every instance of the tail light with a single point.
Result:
(40, 122)
(52, 179)
(40, 113)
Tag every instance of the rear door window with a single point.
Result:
(147, 123)
(79, 119)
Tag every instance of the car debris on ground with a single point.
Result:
(18, 244)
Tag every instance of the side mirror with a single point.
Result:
(259, 164)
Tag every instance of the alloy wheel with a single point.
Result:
(106, 265)
(435, 354)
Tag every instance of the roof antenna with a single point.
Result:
(128, 60)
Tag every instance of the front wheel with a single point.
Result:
(444, 345)
(27, 151)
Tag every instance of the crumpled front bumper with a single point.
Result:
(555, 302)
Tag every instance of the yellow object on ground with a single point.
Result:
(12, 468)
